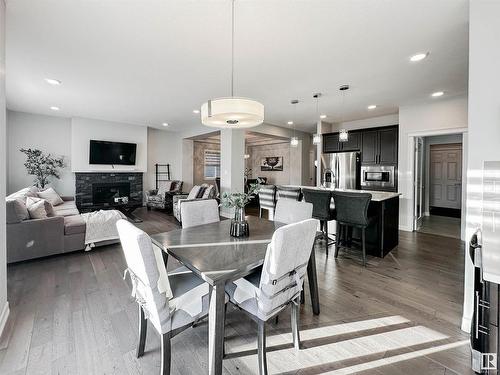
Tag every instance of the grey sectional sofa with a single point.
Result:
(34, 238)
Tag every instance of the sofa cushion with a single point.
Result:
(68, 208)
(74, 225)
(16, 211)
(49, 209)
(51, 196)
(36, 209)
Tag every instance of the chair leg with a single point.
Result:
(339, 238)
(302, 297)
(364, 246)
(325, 228)
(224, 339)
(165, 354)
(260, 212)
(295, 324)
(143, 326)
(261, 344)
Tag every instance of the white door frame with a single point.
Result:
(411, 164)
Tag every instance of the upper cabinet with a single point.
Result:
(377, 145)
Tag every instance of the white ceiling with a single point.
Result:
(154, 61)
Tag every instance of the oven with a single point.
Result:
(378, 177)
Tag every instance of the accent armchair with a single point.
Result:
(161, 198)
(198, 192)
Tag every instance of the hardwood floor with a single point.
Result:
(72, 314)
(441, 225)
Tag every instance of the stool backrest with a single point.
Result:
(321, 201)
(352, 208)
(267, 195)
(199, 212)
(289, 211)
(286, 192)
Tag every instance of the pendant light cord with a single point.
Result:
(232, 48)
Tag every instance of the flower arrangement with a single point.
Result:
(42, 166)
(239, 200)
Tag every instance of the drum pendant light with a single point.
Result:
(232, 112)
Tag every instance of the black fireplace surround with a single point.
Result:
(99, 189)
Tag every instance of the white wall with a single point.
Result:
(484, 118)
(4, 306)
(83, 130)
(258, 152)
(434, 115)
(164, 147)
(47, 133)
(371, 122)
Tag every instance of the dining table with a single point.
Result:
(211, 253)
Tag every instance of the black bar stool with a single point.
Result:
(352, 211)
(322, 211)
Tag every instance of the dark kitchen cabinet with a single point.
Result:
(388, 141)
(353, 142)
(380, 146)
(331, 143)
(369, 147)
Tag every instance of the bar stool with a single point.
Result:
(322, 210)
(267, 200)
(287, 192)
(352, 211)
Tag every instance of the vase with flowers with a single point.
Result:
(238, 201)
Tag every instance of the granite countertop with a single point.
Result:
(377, 196)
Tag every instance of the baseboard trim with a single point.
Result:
(405, 228)
(4, 316)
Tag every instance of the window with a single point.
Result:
(211, 164)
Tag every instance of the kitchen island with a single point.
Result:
(383, 235)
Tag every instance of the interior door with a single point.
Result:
(446, 176)
(418, 183)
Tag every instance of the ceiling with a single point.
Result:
(251, 138)
(154, 61)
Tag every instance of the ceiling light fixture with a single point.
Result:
(343, 134)
(419, 57)
(232, 112)
(294, 141)
(54, 108)
(290, 122)
(372, 106)
(196, 111)
(52, 81)
(317, 136)
(437, 94)
(165, 124)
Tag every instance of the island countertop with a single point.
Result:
(377, 196)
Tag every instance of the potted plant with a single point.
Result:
(42, 166)
(238, 201)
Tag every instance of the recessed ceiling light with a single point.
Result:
(165, 124)
(52, 81)
(419, 57)
(290, 122)
(372, 106)
(196, 111)
(437, 94)
(322, 116)
(54, 108)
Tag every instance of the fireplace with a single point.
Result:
(106, 193)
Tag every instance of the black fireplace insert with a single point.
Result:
(105, 193)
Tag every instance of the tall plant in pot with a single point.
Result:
(238, 201)
(42, 166)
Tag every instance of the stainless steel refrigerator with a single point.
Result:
(341, 170)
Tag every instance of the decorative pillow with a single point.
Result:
(36, 209)
(208, 192)
(201, 192)
(16, 211)
(24, 193)
(48, 207)
(51, 196)
(194, 192)
(164, 187)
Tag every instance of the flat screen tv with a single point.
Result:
(114, 153)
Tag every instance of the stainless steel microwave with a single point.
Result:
(378, 176)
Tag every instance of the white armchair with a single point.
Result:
(197, 192)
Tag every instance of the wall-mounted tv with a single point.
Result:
(114, 153)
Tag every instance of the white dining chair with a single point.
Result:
(290, 211)
(263, 296)
(199, 212)
(170, 302)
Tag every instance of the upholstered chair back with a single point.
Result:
(199, 212)
(289, 211)
(352, 208)
(267, 195)
(285, 264)
(143, 268)
(287, 192)
(321, 201)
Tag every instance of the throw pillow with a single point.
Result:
(194, 192)
(16, 211)
(201, 192)
(208, 192)
(51, 196)
(36, 209)
(48, 207)
(164, 187)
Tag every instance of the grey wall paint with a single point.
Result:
(257, 153)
